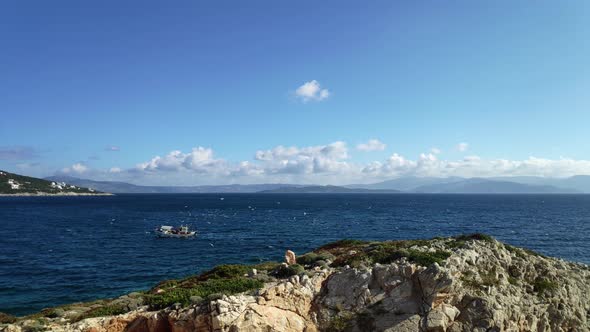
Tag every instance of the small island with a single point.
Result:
(19, 185)
(463, 283)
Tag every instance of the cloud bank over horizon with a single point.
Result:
(320, 164)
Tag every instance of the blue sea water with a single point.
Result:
(56, 250)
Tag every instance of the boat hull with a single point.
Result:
(172, 235)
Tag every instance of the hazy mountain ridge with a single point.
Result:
(523, 184)
(500, 185)
(327, 190)
(484, 186)
(128, 188)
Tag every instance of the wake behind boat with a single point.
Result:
(177, 232)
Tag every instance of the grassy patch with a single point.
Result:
(311, 258)
(543, 285)
(474, 236)
(107, 310)
(388, 252)
(266, 266)
(287, 271)
(226, 271)
(203, 289)
(345, 243)
(455, 244)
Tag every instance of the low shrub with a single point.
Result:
(475, 236)
(342, 244)
(203, 289)
(266, 266)
(106, 310)
(543, 285)
(287, 271)
(311, 258)
(455, 244)
(226, 271)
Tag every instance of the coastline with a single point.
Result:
(45, 194)
(462, 283)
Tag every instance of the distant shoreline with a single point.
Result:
(44, 194)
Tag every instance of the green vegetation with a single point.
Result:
(455, 244)
(474, 236)
(106, 310)
(287, 271)
(311, 258)
(222, 280)
(203, 289)
(226, 271)
(543, 285)
(18, 184)
(387, 252)
(345, 243)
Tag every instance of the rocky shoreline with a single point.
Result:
(465, 283)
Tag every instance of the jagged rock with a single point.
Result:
(290, 257)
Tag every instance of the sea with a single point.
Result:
(57, 250)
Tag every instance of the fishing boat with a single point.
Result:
(177, 232)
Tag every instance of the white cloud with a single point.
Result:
(311, 91)
(435, 150)
(115, 170)
(371, 145)
(307, 160)
(78, 168)
(199, 160)
(112, 148)
(462, 147)
(320, 164)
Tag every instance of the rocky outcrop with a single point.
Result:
(458, 284)
(290, 257)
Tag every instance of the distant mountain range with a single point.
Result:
(500, 185)
(127, 188)
(327, 190)
(531, 184)
(484, 186)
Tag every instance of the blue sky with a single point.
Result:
(509, 78)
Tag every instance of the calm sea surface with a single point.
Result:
(56, 250)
